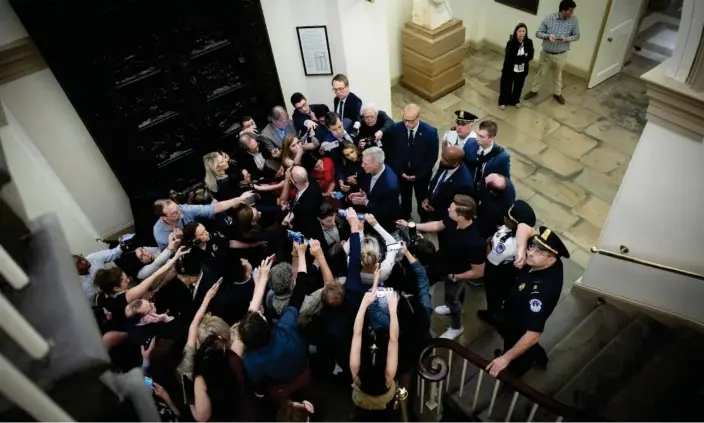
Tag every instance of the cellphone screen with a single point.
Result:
(149, 382)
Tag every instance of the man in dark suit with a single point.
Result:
(255, 160)
(332, 230)
(346, 104)
(305, 207)
(484, 156)
(303, 116)
(494, 202)
(452, 178)
(379, 189)
(376, 124)
(413, 150)
(279, 126)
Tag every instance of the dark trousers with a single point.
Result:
(454, 298)
(511, 87)
(420, 186)
(498, 281)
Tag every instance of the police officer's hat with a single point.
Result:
(522, 212)
(549, 241)
(464, 117)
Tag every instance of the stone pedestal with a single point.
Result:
(432, 59)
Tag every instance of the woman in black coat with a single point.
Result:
(519, 53)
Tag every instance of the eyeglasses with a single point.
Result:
(410, 120)
(337, 90)
(539, 251)
(368, 117)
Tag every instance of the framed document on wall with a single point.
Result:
(315, 50)
(530, 6)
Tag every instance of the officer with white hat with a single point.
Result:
(462, 131)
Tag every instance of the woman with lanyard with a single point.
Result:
(519, 53)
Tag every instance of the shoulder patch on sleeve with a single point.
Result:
(535, 305)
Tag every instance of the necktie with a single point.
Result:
(440, 179)
(411, 137)
(341, 110)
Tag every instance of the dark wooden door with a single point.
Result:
(157, 83)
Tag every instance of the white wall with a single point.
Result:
(657, 215)
(357, 34)
(492, 21)
(11, 28)
(41, 190)
(43, 110)
(400, 12)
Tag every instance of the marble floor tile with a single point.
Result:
(523, 191)
(614, 136)
(570, 142)
(446, 102)
(521, 168)
(604, 159)
(514, 139)
(531, 122)
(563, 192)
(594, 211)
(583, 234)
(571, 114)
(555, 216)
(559, 163)
(598, 184)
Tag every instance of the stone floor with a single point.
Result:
(567, 160)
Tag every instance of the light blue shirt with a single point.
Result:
(376, 178)
(554, 24)
(189, 214)
(97, 261)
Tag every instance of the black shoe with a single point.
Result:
(560, 99)
(486, 316)
(530, 95)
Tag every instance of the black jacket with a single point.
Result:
(511, 57)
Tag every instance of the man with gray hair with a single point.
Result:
(375, 124)
(379, 189)
(279, 126)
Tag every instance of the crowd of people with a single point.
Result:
(299, 260)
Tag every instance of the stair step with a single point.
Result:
(658, 392)
(567, 358)
(614, 365)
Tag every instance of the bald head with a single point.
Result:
(299, 176)
(496, 181)
(279, 117)
(452, 155)
(411, 115)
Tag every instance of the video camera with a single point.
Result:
(369, 142)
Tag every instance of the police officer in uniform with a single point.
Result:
(531, 301)
(462, 132)
(499, 271)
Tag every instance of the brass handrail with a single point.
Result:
(636, 260)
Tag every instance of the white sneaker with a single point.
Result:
(451, 333)
(502, 107)
(442, 310)
(518, 105)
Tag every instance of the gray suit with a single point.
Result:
(271, 138)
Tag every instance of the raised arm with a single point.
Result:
(261, 277)
(354, 267)
(141, 289)
(317, 252)
(189, 351)
(392, 352)
(106, 256)
(356, 348)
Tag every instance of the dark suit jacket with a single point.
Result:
(500, 163)
(460, 182)
(246, 161)
(383, 199)
(343, 228)
(299, 119)
(353, 108)
(384, 123)
(422, 156)
(493, 206)
(271, 138)
(306, 210)
(511, 57)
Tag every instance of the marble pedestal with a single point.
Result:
(432, 59)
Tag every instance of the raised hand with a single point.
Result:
(392, 301)
(370, 218)
(315, 249)
(147, 352)
(212, 291)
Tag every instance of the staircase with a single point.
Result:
(608, 361)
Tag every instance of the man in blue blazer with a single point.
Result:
(303, 116)
(346, 104)
(451, 178)
(483, 156)
(379, 189)
(413, 150)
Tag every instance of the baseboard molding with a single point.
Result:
(126, 229)
(499, 48)
(666, 317)
(395, 80)
(19, 58)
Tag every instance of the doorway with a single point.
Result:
(656, 37)
(637, 36)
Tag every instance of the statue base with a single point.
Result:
(432, 59)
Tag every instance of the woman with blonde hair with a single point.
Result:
(218, 180)
(371, 254)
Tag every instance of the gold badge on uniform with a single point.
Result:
(521, 287)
